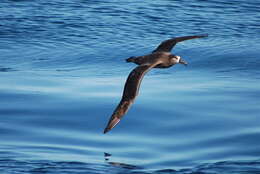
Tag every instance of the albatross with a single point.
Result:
(161, 57)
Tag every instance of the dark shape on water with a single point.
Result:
(119, 164)
(106, 156)
(124, 165)
(159, 58)
(4, 69)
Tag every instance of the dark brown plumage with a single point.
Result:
(159, 58)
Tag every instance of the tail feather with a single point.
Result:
(130, 59)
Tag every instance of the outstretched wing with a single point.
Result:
(167, 45)
(130, 92)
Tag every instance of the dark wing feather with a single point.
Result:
(167, 45)
(130, 92)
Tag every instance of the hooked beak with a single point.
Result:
(181, 61)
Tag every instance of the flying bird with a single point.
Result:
(161, 57)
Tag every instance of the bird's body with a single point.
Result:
(161, 57)
(164, 57)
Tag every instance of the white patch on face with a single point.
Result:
(178, 59)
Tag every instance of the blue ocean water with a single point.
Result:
(62, 72)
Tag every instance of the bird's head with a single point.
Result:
(178, 59)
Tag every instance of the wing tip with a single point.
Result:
(111, 124)
(106, 130)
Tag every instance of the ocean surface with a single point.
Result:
(63, 69)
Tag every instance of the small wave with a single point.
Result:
(9, 166)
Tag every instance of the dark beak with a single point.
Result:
(183, 62)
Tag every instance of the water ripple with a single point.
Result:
(63, 70)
